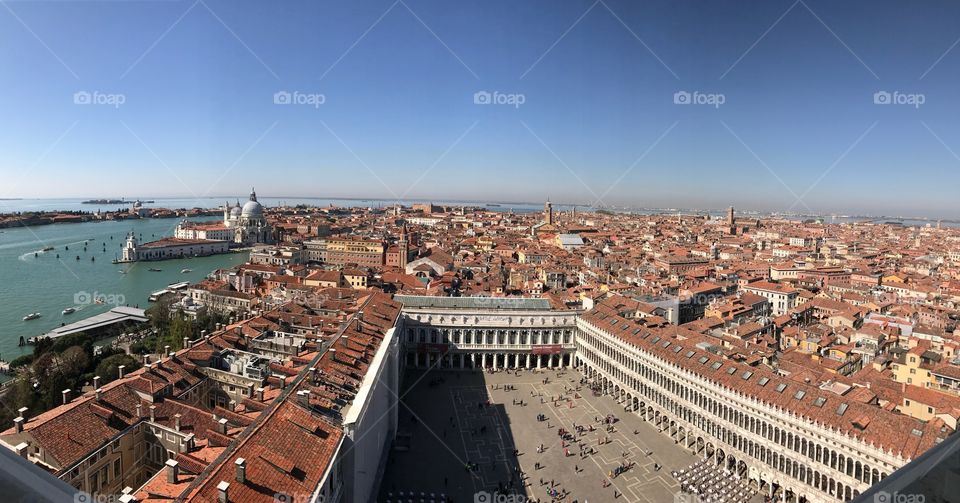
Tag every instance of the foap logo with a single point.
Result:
(82, 497)
(97, 98)
(497, 497)
(899, 98)
(498, 98)
(298, 98)
(84, 298)
(698, 98)
(897, 497)
(291, 498)
(686, 498)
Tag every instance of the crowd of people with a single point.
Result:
(713, 483)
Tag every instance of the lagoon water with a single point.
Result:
(32, 280)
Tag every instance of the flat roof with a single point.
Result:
(116, 315)
(506, 303)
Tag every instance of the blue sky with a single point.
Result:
(798, 127)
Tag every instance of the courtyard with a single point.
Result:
(464, 435)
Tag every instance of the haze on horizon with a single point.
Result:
(799, 127)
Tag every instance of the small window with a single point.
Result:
(781, 387)
(716, 365)
(689, 354)
(732, 370)
(916, 432)
(799, 394)
(636, 331)
(842, 408)
(666, 344)
(746, 375)
(703, 359)
(763, 381)
(677, 349)
(655, 339)
(819, 401)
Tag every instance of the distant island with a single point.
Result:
(110, 201)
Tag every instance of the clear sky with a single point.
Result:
(798, 127)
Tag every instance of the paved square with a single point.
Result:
(446, 424)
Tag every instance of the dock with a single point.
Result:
(120, 314)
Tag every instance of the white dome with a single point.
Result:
(252, 209)
(235, 212)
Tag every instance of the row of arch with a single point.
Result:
(750, 435)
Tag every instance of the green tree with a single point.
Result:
(108, 368)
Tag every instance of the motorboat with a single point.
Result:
(31, 316)
(68, 310)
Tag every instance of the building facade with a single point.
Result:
(483, 332)
(795, 441)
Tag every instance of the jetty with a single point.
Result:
(120, 314)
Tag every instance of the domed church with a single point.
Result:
(248, 222)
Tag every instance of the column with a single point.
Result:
(473, 360)
(539, 361)
(483, 361)
(528, 360)
(463, 361)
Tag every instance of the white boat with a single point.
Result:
(31, 316)
(68, 310)
(184, 271)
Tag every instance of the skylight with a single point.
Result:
(716, 365)
(763, 381)
(799, 394)
(842, 408)
(781, 387)
(746, 375)
(819, 401)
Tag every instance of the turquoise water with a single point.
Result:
(42, 283)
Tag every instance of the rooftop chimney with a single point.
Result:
(146, 359)
(153, 413)
(172, 471)
(139, 411)
(99, 393)
(176, 422)
(120, 370)
(223, 426)
(166, 349)
(241, 470)
(188, 442)
(18, 424)
(128, 498)
(23, 412)
(66, 396)
(260, 394)
(96, 382)
(222, 489)
(186, 342)
(23, 449)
